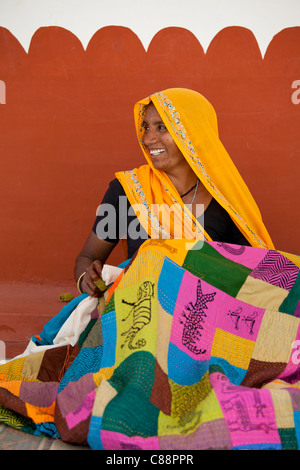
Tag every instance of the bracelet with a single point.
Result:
(79, 282)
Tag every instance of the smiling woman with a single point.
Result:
(189, 187)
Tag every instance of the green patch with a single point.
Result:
(288, 438)
(222, 273)
(110, 305)
(130, 412)
(290, 302)
(91, 337)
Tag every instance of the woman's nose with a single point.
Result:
(150, 137)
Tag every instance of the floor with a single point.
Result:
(24, 309)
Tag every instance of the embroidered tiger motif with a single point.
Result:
(141, 315)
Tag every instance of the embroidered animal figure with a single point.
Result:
(194, 318)
(141, 315)
(240, 419)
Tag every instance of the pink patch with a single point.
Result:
(249, 413)
(116, 441)
(82, 412)
(199, 311)
(291, 373)
(245, 255)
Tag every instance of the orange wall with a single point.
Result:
(67, 126)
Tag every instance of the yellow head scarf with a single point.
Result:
(192, 123)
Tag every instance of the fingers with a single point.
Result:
(89, 287)
(97, 265)
(92, 275)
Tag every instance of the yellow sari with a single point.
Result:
(192, 123)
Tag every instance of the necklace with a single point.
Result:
(193, 196)
(185, 194)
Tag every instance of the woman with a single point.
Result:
(188, 348)
(189, 171)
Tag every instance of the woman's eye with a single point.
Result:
(161, 127)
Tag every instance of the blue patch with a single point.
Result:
(48, 430)
(109, 334)
(89, 360)
(52, 327)
(183, 369)
(297, 426)
(94, 436)
(169, 282)
(233, 373)
(261, 446)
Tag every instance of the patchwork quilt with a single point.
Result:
(192, 347)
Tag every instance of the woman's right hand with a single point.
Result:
(92, 275)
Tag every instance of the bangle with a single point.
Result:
(79, 282)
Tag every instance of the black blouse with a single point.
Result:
(112, 222)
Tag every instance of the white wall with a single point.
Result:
(204, 18)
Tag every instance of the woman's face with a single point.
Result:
(164, 153)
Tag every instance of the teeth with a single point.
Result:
(156, 152)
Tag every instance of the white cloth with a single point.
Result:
(76, 323)
(110, 273)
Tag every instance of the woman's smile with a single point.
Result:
(156, 152)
